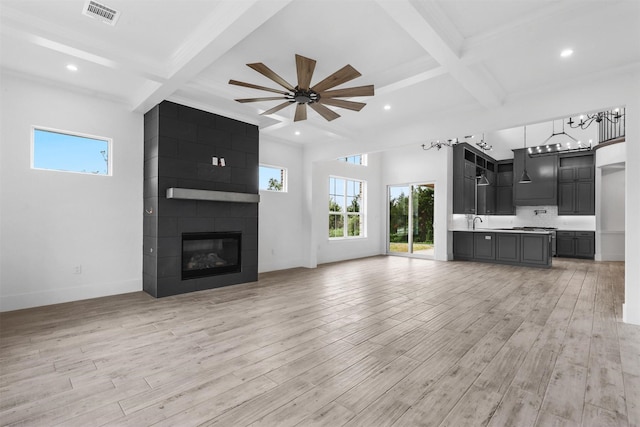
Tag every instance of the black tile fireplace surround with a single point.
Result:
(179, 144)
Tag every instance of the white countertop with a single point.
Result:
(499, 230)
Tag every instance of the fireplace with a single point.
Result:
(211, 254)
(187, 200)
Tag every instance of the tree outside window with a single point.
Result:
(272, 178)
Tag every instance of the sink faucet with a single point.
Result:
(474, 221)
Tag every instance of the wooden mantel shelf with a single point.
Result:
(211, 196)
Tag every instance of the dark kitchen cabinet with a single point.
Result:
(535, 249)
(484, 247)
(575, 244)
(504, 188)
(487, 198)
(526, 249)
(464, 179)
(576, 185)
(508, 247)
(469, 164)
(462, 245)
(543, 188)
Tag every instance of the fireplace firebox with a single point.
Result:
(210, 254)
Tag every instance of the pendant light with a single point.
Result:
(525, 178)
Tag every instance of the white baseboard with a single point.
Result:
(57, 296)
(609, 257)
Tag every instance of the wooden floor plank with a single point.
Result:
(377, 341)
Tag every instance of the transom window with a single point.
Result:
(70, 152)
(346, 198)
(357, 159)
(273, 178)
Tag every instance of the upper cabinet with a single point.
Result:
(468, 165)
(566, 180)
(504, 188)
(576, 184)
(543, 188)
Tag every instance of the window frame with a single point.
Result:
(346, 214)
(284, 174)
(363, 159)
(109, 142)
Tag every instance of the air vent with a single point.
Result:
(100, 11)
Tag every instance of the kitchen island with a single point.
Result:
(531, 248)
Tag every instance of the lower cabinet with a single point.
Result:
(528, 249)
(462, 245)
(535, 249)
(576, 244)
(484, 246)
(508, 247)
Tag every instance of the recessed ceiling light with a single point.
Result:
(387, 107)
(297, 132)
(72, 67)
(566, 53)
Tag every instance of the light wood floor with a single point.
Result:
(373, 342)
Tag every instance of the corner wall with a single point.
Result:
(54, 222)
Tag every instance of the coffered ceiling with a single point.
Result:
(429, 60)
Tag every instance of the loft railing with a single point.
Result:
(609, 130)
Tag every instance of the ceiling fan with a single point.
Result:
(317, 96)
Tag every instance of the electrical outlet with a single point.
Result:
(77, 269)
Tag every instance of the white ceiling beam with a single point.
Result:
(412, 80)
(439, 39)
(228, 24)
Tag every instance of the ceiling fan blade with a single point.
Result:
(324, 111)
(343, 75)
(304, 67)
(301, 112)
(349, 105)
(268, 98)
(348, 92)
(267, 72)
(252, 86)
(276, 108)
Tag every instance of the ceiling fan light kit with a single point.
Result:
(303, 95)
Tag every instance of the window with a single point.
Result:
(273, 178)
(346, 198)
(69, 152)
(358, 159)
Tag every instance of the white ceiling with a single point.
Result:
(427, 59)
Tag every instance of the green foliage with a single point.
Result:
(274, 184)
(423, 204)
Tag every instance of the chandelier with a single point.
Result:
(563, 142)
(482, 144)
(439, 144)
(612, 117)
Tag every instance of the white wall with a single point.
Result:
(53, 222)
(631, 307)
(610, 202)
(413, 165)
(280, 245)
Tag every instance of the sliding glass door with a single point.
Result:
(411, 220)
